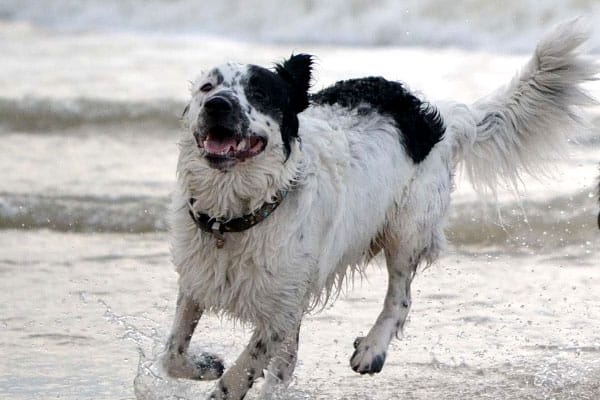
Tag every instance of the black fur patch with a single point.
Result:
(270, 95)
(420, 123)
(281, 94)
(215, 73)
(297, 71)
(223, 389)
(260, 349)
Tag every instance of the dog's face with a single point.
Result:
(238, 112)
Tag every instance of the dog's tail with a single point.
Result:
(529, 121)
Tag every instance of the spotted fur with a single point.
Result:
(366, 171)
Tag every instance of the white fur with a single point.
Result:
(351, 185)
(525, 125)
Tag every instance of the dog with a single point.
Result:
(282, 193)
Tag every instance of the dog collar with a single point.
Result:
(219, 227)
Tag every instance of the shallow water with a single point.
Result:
(79, 311)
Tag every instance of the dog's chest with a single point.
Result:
(247, 278)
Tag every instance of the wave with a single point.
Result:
(83, 213)
(527, 224)
(509, 25)
(558, 222)
(41, 114)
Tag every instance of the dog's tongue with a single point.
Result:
(220, 146)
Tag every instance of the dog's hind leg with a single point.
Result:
(370, 351)
(176, 361)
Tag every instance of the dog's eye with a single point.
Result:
(207, 87)
(260, 94)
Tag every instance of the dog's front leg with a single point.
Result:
(249, 366)
(283, 363)
(176, 360)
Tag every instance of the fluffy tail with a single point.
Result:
(527, 123)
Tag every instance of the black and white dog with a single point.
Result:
(281, 193)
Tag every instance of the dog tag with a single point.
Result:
(219, 236)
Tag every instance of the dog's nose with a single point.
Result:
(217, 105)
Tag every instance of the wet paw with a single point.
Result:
(368, 358)
(208, 367)
(204, 367)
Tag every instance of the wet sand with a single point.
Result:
(79, 311)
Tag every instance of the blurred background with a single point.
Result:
(101, 84)
(508, 25)
(90, 97)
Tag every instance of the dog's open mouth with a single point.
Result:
(223, 146)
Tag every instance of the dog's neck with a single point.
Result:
(241, 190)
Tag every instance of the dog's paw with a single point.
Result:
(204, 367)
(208, 366)
(368, 358)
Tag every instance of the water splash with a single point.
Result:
(151, 381)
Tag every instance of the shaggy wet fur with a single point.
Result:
(368, 167)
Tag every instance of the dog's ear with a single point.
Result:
(297, 71)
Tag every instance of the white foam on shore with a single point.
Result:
(509, 25)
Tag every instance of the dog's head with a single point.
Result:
(240, 112)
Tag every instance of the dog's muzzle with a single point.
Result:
(223, 133)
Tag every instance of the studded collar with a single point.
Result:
(218, 227)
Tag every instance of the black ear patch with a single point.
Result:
(297, 72)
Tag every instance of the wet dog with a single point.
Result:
(281, 193)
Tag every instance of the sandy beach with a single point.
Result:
(484, 325)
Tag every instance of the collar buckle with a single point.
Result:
(217, 231)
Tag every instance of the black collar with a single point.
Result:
(218, 227)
